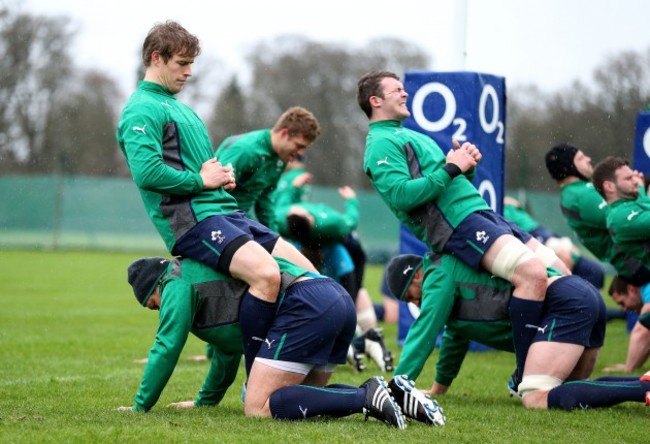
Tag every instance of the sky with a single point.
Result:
(548, 43)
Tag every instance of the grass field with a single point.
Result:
(70, 329)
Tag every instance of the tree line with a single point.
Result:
(599, 119)
(60, 118)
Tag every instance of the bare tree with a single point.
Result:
(229, 115)
(80, 131)
(293, 70)
(35, 64)
(52, 120)
(599, 120)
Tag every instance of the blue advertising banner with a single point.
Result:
(641, 160)
(468, 107)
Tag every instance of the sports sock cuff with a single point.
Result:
(276, 406)
(521, 305)
(554, 400)
(256, 314)
(255, 319)
(259, 303)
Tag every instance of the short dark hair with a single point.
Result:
(299, 228)
(370, 85)
(618, 285)
(169, 39)
(605, 170)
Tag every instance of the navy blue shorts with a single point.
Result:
(542, 234)
(315, 324)
(214, 240)
(575, 313)
(476, 234)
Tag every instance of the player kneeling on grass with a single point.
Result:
(566, 342)
(193, 297)
(291, 361)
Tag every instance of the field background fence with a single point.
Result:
(100, 213)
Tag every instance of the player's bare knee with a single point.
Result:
(532, 271)
(530, 280)
(262, 276)
(267, 278)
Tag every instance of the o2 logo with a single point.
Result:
(488, 99)
(489, 95)
(489, 193)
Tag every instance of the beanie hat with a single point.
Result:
(144, 274)
(399, 273)
(560, 162)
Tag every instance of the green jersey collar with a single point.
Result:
(154, 87)
(386, 124)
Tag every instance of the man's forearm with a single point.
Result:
(639, 348)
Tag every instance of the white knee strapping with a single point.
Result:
(367, 318)
(546, 254)
(534, 383)
(560, 244)
(510, 257)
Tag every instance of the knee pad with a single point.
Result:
(509, 258)
(547, 253)
(534, 383)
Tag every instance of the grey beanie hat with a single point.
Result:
(144, 274)
(399, 273)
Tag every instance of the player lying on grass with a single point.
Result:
(194, 298)
(474, 305)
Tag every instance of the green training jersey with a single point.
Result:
(330, 225)
(456, 339)
(408, 171)
(287, 193)
(257, 169)
(473, 306)
(585, 211)
(520, 217)
(165, 144)
(628, 222)
(194, 299)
